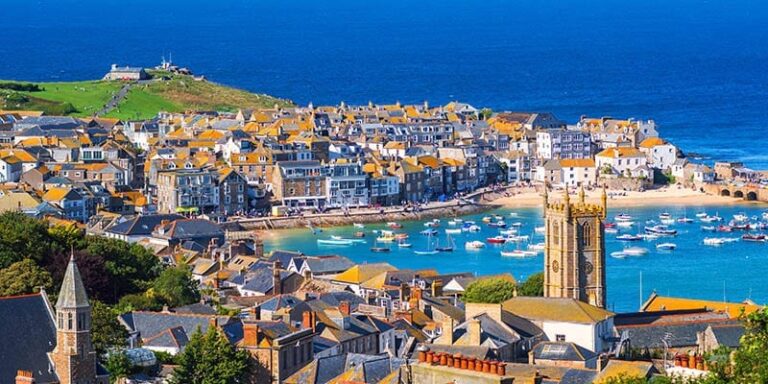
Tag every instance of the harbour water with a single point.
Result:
(733, 271)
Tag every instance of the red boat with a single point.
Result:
(741, 227)
(749, 237)
(610, 225)
(724, 228)
(496, 240)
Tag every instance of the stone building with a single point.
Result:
(575, 249)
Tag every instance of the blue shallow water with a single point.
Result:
(697, 68)
(735, 271)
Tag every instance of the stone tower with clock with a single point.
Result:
(574, 258)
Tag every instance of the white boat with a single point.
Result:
(453, 231)
(685, 220)
(625, 224)
(333, 242)
(452, 222)
(540, 229)
(635, 251)
(430, 248)
(701, 214)
(358, 225)
(517, 224)
(517, 239)
(403, 244)
(498, 217)
(611, 230)
(628, 237)
(339, 238)
(508, 232)
(618, 254)
(665, 215)
(740, 217)
(623, 217)
(514, 253)
(669, 221)
(649, 236)
(474, 228)
(719, 240)
(708, 228)
(458, 221)
(474, 245)
(513, 214)
(666, 246)
(539, 247)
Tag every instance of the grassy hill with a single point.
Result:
(176, 93)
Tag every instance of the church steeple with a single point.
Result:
(74, 358)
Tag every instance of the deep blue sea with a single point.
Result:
(697, 67)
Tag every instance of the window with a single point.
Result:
(560, 337)
(586, 234)
(69, 321)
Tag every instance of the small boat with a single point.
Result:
(711, 219)
(754, 238)
(431, 224)
(625, 224)
(498, 217)
(661, 230)
(628, 237)
(333, 242)
(724, 228)
(741, 226)
(446, 248)
(453, 231)
(394, 225)
(665, 215)
(610, 225)
(635, 251)
(386, 237)
(623, 217)
(513, 214)
(669, 221)
(377, 248)
(474, 228)
(401, 236)
(358, 225)
(429, 232)
(514, 253)
(685, 220)
(496, 240)
(429, 250)
(701, 214)
(719, 240)
(403, 244)
(334, 237)
(539, 247)
(517, 239)
(649, 236)
(740, 217)
(359, 234)
(451, 222)
(708, 228)
(474, 245)
(487, 219)
(508, 232)
(611, 230)
(517, 224)
(618, 254)
(458, 221)
(433, 252)
(540, 229)
(666, 246)
(498, 224)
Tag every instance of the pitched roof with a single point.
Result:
(141, 224)
(555, 309)
(561, 350)
(27, 339)
(620, 152)
(652, 142)
(662, 303)
(72, 293)
(580, 163)
(362, 272)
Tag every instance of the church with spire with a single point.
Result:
(49, 345)
(574, 261)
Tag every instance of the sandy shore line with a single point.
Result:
(657, 197)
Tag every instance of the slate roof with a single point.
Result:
(328, 264)
(333, 299)
(563, 351)
(27, 339)
(72, 293)
(646, 329)
(728, 335)
(354, 368)
(141, 224)
(578, 376)
(555, 309)
(49, 122)
(148, 325)
(280, 301)
(260, 280)
(284, 257)
(192, 229)
(492, 334)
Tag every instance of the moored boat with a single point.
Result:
(474, 244)
(496, 240)
(635, 251)
(333, 242)
(661, 230)
(666, 246)
(358, 225)
(754, 238)
(394, 225)
(623, 217)
(628, 237)
(453, 231)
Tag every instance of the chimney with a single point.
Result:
(250, 334)
(344, 307)
(437, 288)
(254, 313)
(277, 283)
(308, 320)
(24, 377)
(531, 359)
(258, 247)
(473, 333)
(446, 337)
(415, 297)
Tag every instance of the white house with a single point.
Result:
(660, 154)
(577, 172)
(563, 144)
(625, 161)
(10, 169)
(565, 319)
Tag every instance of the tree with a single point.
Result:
(91, 267)
(130, 268)
(750, 362)
(107, 334)
(139, 302)
(22, 237)
(23, 277)
(119, 365)
(489, 290)
(67, 236)
(175, 287)
(210, 359)
(533, 286)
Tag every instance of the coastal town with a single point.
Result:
(198, 191)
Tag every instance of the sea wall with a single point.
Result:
(367, 216)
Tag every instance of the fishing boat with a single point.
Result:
(623, 217)
(540, 229)
(661, 230)
(628, 237)
(754, 238)
(474, 244)
(498, 224)
(335, 237)
(358, 225)
(496, 240)
(446, 248)
(635, 251)
(429, 250)
(666, 246)
(429, 232)
(394, 225)
(333, 242)
(453, 231)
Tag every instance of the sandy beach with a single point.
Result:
(656, 197)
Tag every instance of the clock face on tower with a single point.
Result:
(588, 268)
(555, 266)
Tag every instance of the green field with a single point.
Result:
(173, 94)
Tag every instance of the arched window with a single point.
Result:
(586, 234)
(555, 232)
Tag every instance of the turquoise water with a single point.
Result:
(735, 270)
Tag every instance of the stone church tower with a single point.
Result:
(74, 358)
(574, 259)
